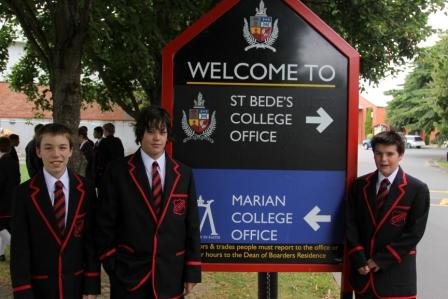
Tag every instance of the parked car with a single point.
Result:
(366, 144)
(414, 141)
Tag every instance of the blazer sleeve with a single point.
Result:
(355, 248)
(92, 271)
(193, 246)
(20, 249)
(106, 219)
(397, 249)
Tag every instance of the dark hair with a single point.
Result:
(98, 130)
(5, 144)
(152, 117)
(82, 131)
(14, 137)
(109, 128)
(54, 129)
(37, 128)
(389, 138)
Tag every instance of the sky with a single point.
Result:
(375, 94)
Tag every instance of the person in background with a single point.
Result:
(147, 221)
(52, 245)
(386, 217)
(9, 180)
(15, 141)
(110, 148)
(33, 162)
(86, 148)
(84, 131)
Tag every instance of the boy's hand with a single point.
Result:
(189, 287)
(88, 296)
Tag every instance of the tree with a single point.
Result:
(125, 38)
(55, 44)
(422, 104)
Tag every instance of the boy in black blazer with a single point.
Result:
(386, 217)
(148, 227)
(52, 246)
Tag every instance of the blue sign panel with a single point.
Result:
(259, 207)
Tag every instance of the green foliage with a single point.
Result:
(368, 122)
(423, 101)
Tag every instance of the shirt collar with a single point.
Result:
(51, 180)
(147, 160)
(391, 178)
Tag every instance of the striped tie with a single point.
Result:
(156, 186)
(382, 193)
(59, 206)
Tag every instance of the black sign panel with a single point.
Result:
(264, 102)
(260, 98)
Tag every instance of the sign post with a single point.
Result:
(264, 98)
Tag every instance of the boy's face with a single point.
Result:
(387, 158)
(55, 152)
(154, 141)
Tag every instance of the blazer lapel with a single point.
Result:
(72, 200)
(394, 196)
(140, 179)
(171, 177)
(42, 203)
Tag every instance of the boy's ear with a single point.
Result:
(38, 152)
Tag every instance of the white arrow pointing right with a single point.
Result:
(312, 218)
(324, 120)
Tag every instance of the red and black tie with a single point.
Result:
(59, 206)
(156, 187)
(383, 191)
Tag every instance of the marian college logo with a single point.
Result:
(199, 126)
(261, 33)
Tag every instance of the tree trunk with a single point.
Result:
(65, 85)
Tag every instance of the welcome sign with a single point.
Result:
(264, 101)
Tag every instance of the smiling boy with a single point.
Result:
(52, 252)
(386, 217)
(148, 226)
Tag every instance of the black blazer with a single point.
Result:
(136, 245)
(9, 180)
(388, 236)
(109, 149)
(44, 264)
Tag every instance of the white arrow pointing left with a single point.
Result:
(324, 120)
(312, 218)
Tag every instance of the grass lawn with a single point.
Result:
(442, 163)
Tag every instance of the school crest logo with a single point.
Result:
(261, 34)
(199, 125)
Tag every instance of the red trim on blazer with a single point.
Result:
(22, 288)
(397, 200)
(177, 296)
(167, 204)
(366, 198)
(126, 247)
(34, 193)
(180, 253)
(141, 282)
(5, 216)
(109, 253)
(413, 252)
(79, 272)
(193, 263)
(92, 274)
(355, 249)
(39, 277)
(140, 189)
(394, 253)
